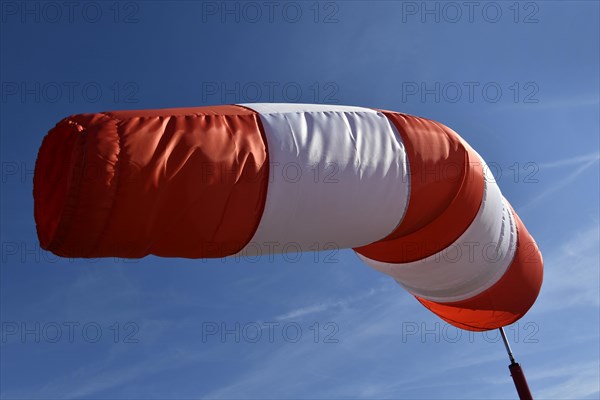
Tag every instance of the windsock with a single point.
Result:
(408, 194)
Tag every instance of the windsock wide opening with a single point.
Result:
(53, 173)
(76, 167)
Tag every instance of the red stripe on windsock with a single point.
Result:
(446, 190)
(186, 182)
(508, 299)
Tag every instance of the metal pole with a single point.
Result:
(516, 372)
(507, 345)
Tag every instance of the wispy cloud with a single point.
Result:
(576, 381)
(582, 162)
(576, 160)
(572, 272)
(359, 365)
(310, 369)
(108, 377)
(123, 365)
(328, 306)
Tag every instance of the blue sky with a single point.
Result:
(324, 325)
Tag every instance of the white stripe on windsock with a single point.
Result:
(472, 264)
(339, 178)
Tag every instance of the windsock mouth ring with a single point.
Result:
(52, 178)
